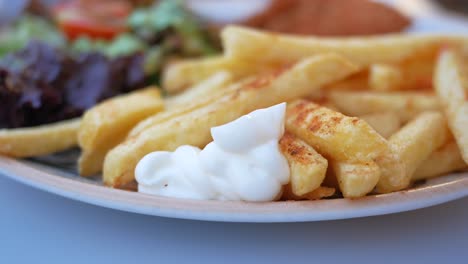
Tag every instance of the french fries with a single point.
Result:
(180, 75)
(193, 128)
(264, 47)
(442, 161)
(355, 179)
(419, 138)
(409, 147)
(414, 73)
(307, 167)
(213, 84)
(107, 124)
(319, 193)
(333, 134)
(418, 71)
(354, 82)
(393, 175)
(406, 105)
(451, 84)
(37, 141)
(362, 116)
(180, 110)
(349, 144)
(385, 123)
(385, 77)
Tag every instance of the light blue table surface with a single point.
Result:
(38, 227)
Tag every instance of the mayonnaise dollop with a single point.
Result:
(243, 163)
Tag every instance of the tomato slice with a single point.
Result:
(76, 29)
(94, 19)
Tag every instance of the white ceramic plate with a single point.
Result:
(432, 192)
(58, 181)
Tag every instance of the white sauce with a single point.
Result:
(243, 163)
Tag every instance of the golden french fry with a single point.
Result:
(419, 138)
(197, 103)
(328, 105)
(180, 75)
(409, 147)
(413, 73)
(333, 134)
(349, 143)
(385, 77)
(319, 193)
(355, 179)
(107, 124)
(40, 140)
(307, 167)
(247, 44)
(418, 71)
(406, 104)
(214, 84)
(193, 128)
(451, 84)
(393, 176)
(385, 123)
(354, 82)
(442, 161)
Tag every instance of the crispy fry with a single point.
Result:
(197, 103)
(247, 44)
(333, 134)
(319, 193)
(329, 105)
(107, 124)
(451, 84)
(180, 75)
(393, 176)
(385, 123)
(354, 179)
(419, 138)
(409, 147)
(385, 77)
(193, 128)
(414, 73)
(442, 161)
(418, 71)
(349, 143)
(307, 167)
(40, 140)
(406, 104)
(354, 82)
(213, 84)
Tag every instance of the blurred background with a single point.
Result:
(226, 11)
(60, 44)
(237, 9)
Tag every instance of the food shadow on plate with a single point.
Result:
(63, 164)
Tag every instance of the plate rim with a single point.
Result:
(271, 212)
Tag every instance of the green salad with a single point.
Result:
(26, 28)
(160, 31)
